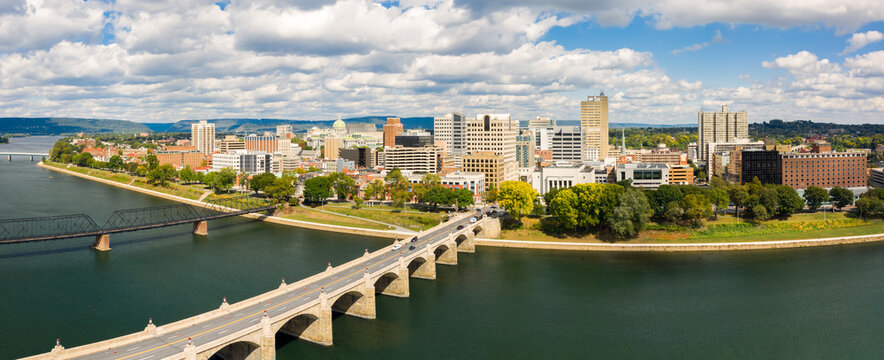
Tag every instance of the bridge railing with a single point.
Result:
(46, 226)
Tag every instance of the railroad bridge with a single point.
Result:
(247, 330)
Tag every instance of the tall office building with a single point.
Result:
(392, 128)
(265, 143)
(721, 127)
(541, 122)
(202, 136)
(525, 150)
(495, 133)
(566, 143)
(331, 146)
(594, 127)
(284, 131)
(414, 138)
(451, 129)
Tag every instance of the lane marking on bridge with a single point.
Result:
(432, 237)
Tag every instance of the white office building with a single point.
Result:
(202, 136)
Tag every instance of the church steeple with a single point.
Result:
(623, 145)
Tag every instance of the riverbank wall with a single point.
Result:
(266, 218)
(754, 245)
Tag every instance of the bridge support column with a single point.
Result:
(201, 228)
(32, 158)
(102, 242)
(427, 270)
(320, 330)
(449, 257)
(397, 287)
(9, 157)
(468, 245)
(268, 340)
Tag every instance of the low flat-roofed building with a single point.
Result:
(562, 175)
(681, 174)
(644, 175)
(487, 163)
(876, 177)
(826, 169)
(418, 159)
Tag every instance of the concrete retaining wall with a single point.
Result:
(755, 245)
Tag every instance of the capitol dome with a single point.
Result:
(339, 124)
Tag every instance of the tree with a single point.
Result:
(224, 179)
(161, 174)
(375, 190)
(841, 197)
(262, 181)
(62, 151)
(344, 185)
(436, 195)
(151, 161)
(81, 159)
(870, 207)
(397, 187)
(759, 212)
(280, 190)
(431, 179)
(632, 214)
(815, 197)
(719, 198)
(788, 200)
(717, 183)
(187, 175)
(547, 198)
(358, 200)
(696, 207)
(116, 162)
(399, 197)
(462, 198)
(585, 205)
(517, 198)
(673, 212)
(317, 189)
(664, 195)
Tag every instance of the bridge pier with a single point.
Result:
(427, 269)
(268, 340)
(102, 242)
(9, 157)
(201, 228)
(467, 244)
(449, 255)
(32, 158)
(398, 286)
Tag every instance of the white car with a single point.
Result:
(472, 219)
(397, 247)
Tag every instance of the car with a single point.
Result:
(472, 219)
(397, 247)
(460, 227)
(414, 239)
(411, 247)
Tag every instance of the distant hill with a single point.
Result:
(804, 128)
(57, 126)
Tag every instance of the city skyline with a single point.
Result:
(659, 63)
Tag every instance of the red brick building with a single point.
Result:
(824, 169)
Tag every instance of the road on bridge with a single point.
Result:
(172, 344)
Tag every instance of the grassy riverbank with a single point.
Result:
(412, 220)
(185, 191)
(724, 229)
(310, 215)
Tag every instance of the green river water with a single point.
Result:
(818, 303)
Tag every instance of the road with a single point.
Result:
(165, 345)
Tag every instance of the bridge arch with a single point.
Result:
(307, 327)
(240, 350)
(422, 268)
(358, 302)
(385, 281)
(477, 229)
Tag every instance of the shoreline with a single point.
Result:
(520, 244)
(266, 218)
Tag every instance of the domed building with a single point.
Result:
(339, 127)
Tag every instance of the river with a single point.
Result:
(796, 303)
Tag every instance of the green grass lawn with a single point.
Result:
(303, 214)
(725, 229)
(412, 220)
(123, 178)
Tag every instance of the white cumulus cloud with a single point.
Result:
(860, 40)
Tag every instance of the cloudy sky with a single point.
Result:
(659, 62)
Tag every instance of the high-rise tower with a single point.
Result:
(202, 136)
(724, 126)
(594, 127)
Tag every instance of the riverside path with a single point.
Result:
(246, 330)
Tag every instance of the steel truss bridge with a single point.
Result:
(81, 225)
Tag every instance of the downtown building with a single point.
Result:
(202, 136)
(417, 159)
(392, 128)
(250, 162)
(721, 127)
(820, 167)
(494, 134)
(594, 127)
(451, 129)
(265, 143)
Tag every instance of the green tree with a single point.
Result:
(358, 202)
(161, 174)
(841, 197)
(549, 196)
(399, 197)
(584, 206)
(462, 198)
(437, 195)
(517, 198)
(280, 190)
(62, 151)
(151, 161)
(759, 213)
(343, 185)
(789, 202)
(375, 190)
(870, 207)
(81, 159)
(187, 175)
(664, 195)
(631, 215)
(815, 196)
(673, 212)
(224, 179)
(317, 189)
(696, 207)
(116, 163)
(261, 181)
(719, 198)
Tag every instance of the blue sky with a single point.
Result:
(659, 62)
